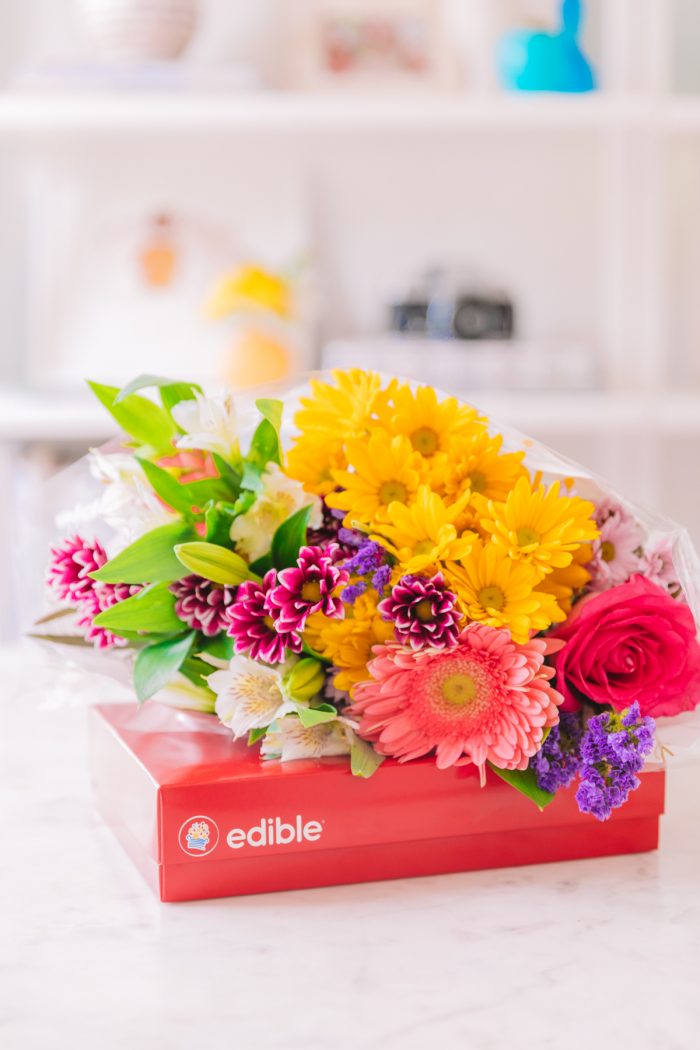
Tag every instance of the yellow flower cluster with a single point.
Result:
(425, 477)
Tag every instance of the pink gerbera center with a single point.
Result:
(457, 694)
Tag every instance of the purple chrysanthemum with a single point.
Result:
(558, 760)
(252, 626)
(307, 588)
(70, 566)
(613, 750)
(202, 604)
(423, 612)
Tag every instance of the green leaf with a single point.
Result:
(220, 647)
(289, 538)
(196, 670)
(152, 609)
(157, 663)
(256, 734)
(228, 475)
(314, 716)
(143, 419)
(177, 390)
(149, 559)
(364, 760)
(262, 565)
(214, 563)
(271, 408)
(525, 781)
(168, 488)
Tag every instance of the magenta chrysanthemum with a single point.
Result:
(103, 596)
(70, 566)
(252, 626)
(308, 588)
(423, 612)
(486, 699)
(202, 604)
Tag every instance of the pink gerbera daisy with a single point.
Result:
(486, 699)
(252, 625)
(308, 587)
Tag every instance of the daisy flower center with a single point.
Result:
(607, 550)
(459, 689)
(311, 591)
(269, 623)
(492, 598)
(393, 492)
(527, 536)
(424, 610)
(424, 547)
(477, 481)
(425, 440)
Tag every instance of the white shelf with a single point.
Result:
(28, 417)
(25, 113)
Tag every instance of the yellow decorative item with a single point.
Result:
(250, 288)
(254, 359)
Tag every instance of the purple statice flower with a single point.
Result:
(369, 561)
(70, 566)
(306, 588)
(558, 760)
(423, 611)
(613, 750)
(353, 592)
(331, 530)
(381, 578)
(202, 604)
(252, 625)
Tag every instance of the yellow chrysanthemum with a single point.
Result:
(427, 422)
(384, 470)
(474, 461)
(348, 642)
(424, 535)
(342, 409)
(312, 461)
(540, 527)
(565, 583)
(493, 589)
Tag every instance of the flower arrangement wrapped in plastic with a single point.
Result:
(393, 577)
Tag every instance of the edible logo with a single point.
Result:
(273, 831)
(198, 836)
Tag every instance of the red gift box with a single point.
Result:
(202, 816)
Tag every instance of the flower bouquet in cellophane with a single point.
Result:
(368, 568)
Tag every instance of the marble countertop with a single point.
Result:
(599, 953)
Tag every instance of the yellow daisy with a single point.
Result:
(348, 643)
(425, 535)
(569, 581)
(475, 461)
(342, 409)
(540, 527)
(384, 470)
(312, 460)
(493, 589)
(427, 422)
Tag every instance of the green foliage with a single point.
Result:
(265, 446)
(220, 646)
(156, 664)
(214, 563)
(289, 538)
(364, 760)
(256, 734)
(149, 559)
(151, 610)
(525, 781)
(172, 391)
(188, 497)
(145, 421)
(314, 716)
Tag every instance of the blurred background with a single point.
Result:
(500, 197)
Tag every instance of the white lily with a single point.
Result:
(290, 739)
(128, 502)
(182, 693)
(250, 695)
(210, 424)
(279, 498)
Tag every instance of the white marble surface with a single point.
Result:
(600, 953)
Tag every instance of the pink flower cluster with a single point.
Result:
(267, 617)
(69, 577)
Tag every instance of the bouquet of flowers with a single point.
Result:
(371, 569)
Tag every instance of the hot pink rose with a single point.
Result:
(632, 642)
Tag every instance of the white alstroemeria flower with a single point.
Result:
(290, 739)
(279, 498)
(250, 695)
(210, 424)
(128, 502)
